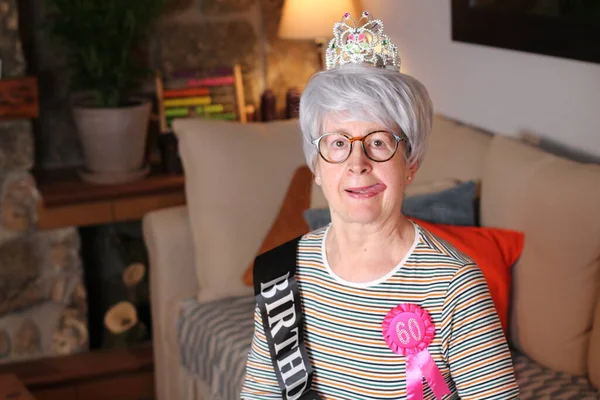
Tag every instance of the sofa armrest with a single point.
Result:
(172, 278)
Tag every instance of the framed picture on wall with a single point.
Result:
(560, 28)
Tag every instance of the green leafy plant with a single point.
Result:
(101, 37)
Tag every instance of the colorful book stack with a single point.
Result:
(215, 97)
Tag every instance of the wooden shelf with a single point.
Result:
(83, 366)
(63, 186)
(112, 373)
(69, 201)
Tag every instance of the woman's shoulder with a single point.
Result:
(438, 249)
(316, 235)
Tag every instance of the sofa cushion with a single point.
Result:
(236, 178)
(554, 201)
(454, 206)
(538, 382)
(455, 151)
(214, 340)
(290, 222)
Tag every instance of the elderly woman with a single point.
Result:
(383, 308)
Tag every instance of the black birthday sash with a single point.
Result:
(278, 299)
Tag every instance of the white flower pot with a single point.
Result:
(113, 139)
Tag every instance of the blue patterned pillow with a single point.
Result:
(454, 206)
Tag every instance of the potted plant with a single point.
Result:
(101, 39)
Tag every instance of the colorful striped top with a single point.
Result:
(343, 324)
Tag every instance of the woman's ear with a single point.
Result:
(317, 174)
(412, 170)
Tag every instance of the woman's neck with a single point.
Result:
(366, 252)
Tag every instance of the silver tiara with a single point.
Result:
(358, 44)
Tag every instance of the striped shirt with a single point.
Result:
(343, 323)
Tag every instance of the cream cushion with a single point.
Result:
(555, 202)
(251, 163)
(455, 151)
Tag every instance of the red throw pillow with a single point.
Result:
(494, 250)
(290, 222)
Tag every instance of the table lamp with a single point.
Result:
(314, 19)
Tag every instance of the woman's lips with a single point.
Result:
(366, 192)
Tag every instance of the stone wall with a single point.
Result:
(42, 298)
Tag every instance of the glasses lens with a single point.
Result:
(334, 147)
(380, 146)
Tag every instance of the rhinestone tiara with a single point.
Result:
(358, 44)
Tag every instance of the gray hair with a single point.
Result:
(361, 92)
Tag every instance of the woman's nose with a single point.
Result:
(358, 162)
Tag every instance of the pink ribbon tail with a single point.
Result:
(422, 364)
(414, 379)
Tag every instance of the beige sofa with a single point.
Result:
(236, 177)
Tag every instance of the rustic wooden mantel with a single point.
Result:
(69, 201)
(126, 373)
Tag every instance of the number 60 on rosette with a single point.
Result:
(408, 330)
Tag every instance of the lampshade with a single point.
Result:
(313, 19)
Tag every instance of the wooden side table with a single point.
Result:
(11, 388)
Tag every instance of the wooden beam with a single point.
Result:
(19, 98)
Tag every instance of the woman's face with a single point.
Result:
(360, 190)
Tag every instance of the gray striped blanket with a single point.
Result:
(214, 339)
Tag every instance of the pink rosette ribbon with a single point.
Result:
(408, 330)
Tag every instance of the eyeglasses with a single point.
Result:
(379, 146)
